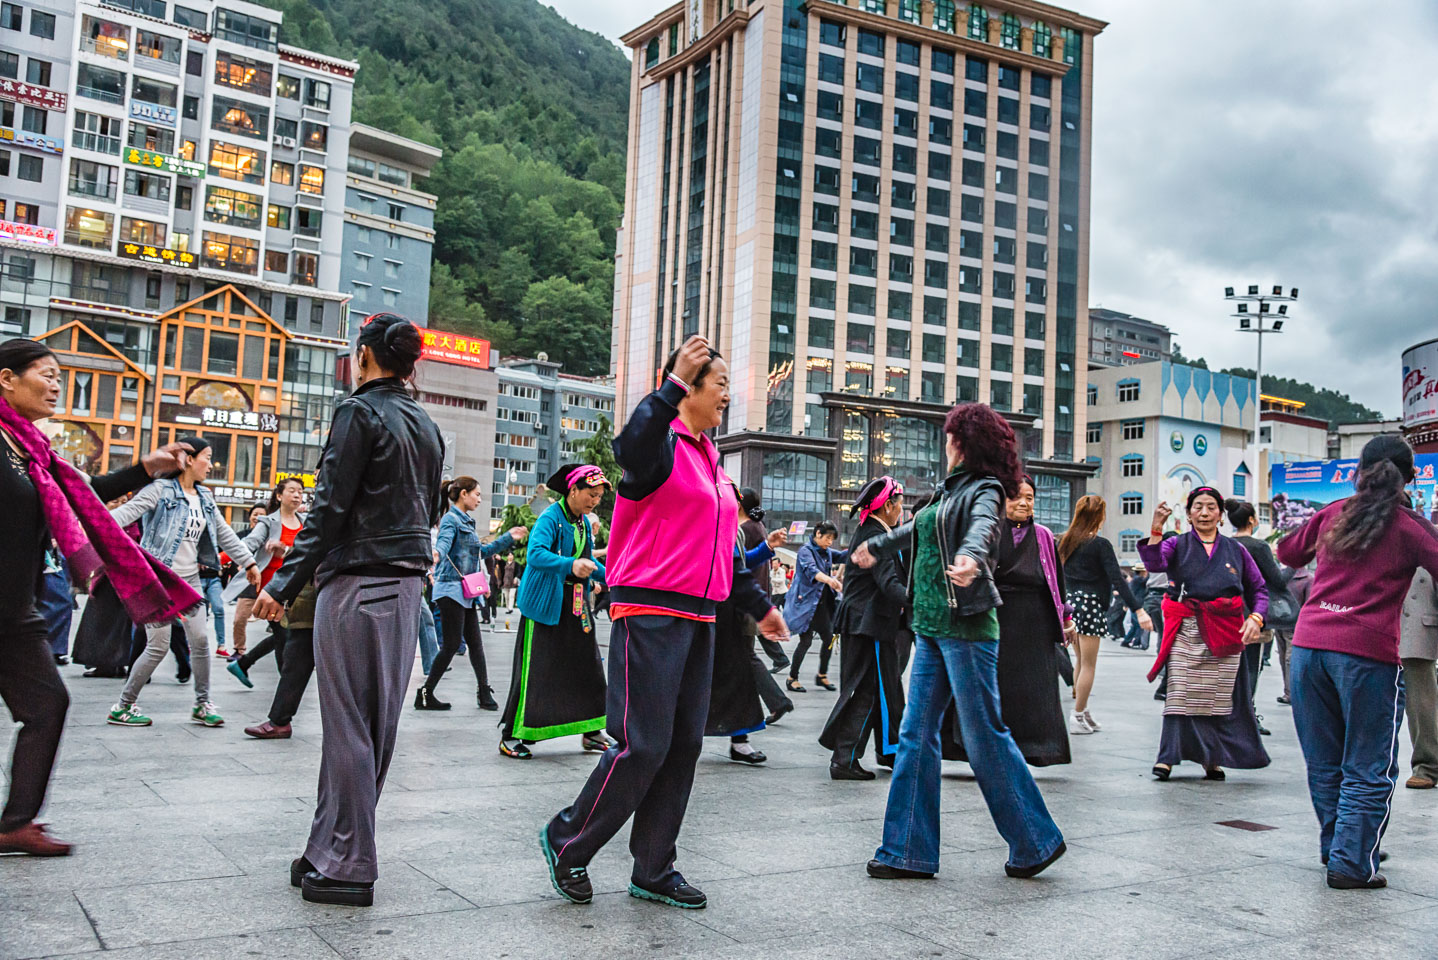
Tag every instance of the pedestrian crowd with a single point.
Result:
(986, 611)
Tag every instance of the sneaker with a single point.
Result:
(572, 883)
(680, 895)
(127, 716)
(222, 653)
(1088, 718)
(1078, 725)
(204, 714)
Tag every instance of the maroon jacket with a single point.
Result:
(1354, 605)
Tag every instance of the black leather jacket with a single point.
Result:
(970, 520)
(377, 493)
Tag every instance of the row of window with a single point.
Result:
(907, 52)
(1128, 430)
(859, 379)
(42, 24)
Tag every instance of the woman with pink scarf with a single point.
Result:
(45, 497)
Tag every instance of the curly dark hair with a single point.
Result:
(987, 442)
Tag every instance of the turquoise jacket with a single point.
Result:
(550, 561)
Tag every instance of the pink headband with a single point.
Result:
(890, 487)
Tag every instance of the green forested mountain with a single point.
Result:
(531, 113)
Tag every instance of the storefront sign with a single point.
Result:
(35, 96)
(239, 496)
(160, 255)
(453, 348)
(308, 479)
(159, 161)
(219, 419)
(153, 112)
(24, 138)
(28, 233)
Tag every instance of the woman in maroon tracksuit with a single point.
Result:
(667, 573)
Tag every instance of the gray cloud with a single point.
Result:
(1275, 142)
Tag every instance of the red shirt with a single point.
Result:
(287, 537)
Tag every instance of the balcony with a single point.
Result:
(117, 48)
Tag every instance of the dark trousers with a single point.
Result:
(857, 712)
(1253, 653)
(1347, 710)
(660, 669)
(274, 642)
(769, 691)
(296, 669)
(37, 700)
(774, 652)
(57, 606)
(458, 625)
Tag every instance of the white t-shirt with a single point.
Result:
(187, 558)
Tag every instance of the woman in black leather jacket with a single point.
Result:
(954, 603)
(366, 544)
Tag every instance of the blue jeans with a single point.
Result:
(943, 665)
(428, 638)
(213, 592)
(1347, 710)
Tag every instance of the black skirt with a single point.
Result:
(104, 635)
(1231, 741)
(1029, 651)
(734, 704)
(557, 687)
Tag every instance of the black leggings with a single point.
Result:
(31, 687)
(459, 624)
(826, 647)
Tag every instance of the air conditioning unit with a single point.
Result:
(287, 142)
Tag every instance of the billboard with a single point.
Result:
(1302, 489)
(1420, 385)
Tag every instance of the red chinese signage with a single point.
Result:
(454, 348)
(27, 233)
(22, 92)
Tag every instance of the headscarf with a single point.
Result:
(1197, 491)
(572, 475)
(874, 495)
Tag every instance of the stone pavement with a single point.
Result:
(185, 834)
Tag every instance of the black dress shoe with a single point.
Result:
(424, 700)
(779, 667)
(882, 871)
(777, 715)
(680, 895)
(1023, 873)
(853, 771)
(1339, 882)
(822, 680)
(299, 866)
(756, 756)
(317, 888)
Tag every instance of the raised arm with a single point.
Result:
(137, 506)
(642, 447)
(1300, 547)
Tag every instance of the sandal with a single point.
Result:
(822, 680)
(516, 752)
(1161, 772)
(596, 742)
(794, 686)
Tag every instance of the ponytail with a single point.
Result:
(1384, 469)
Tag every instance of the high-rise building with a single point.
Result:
(875, 209)
(172, 198)
(1120, 339)
(389, 224)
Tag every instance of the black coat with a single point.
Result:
(875, 599)
(377, 492)
(971, 518)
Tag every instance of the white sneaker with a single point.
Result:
(1088, 718)
(1078, 725)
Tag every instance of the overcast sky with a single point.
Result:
(1288, 142)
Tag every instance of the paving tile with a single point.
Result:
(41, 924)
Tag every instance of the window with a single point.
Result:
(868, 114)
(224, 205)
(192, 18)
(863, 262)
(283, 174)
(1131, 429)
(315, 136)
(861, 301)
(157, 46)
(938, 204)
(42, 25)
(831, 68)
(97, 83)
(154, 139)
(31, 168)
(37, 71)
(291, 129)
(94, 132)
(1240, 483)
(1128, 391)
(288, 87)
(901, 267)
(1128, 541)
(307, 221)
(651, 53)
(823, 255)
(224, 252)
(831, 33)
(277, 261)
(140, 183)
(978, 22)
(90, 179)
(33, 120)
(142, 231)
(244, 119)
(9, 65)
(976, 103)
(312, 179)
(827, 143)
(195, 63)
(307, 268)
(242, 73)
(10, 15)
(897, 343)
(317, 94)
(152, 91)
(871, 44)
(278, 217)
(1095, 432)
(868, 151)
(1131, 465)
(906, 86)
(1131, 505)
(1093, 396)
(247, 30)
(191, 108)
(245, 164)
(88, 228)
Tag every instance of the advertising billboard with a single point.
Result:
(1420, 385)
(1302, 489)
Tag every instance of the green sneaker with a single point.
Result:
(127, 716)
(204, 713)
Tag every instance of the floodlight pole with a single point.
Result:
(1258, 318)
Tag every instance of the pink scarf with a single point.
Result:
(93, 544)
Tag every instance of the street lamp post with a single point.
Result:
(1260, 313)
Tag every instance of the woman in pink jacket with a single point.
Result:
(672, 559)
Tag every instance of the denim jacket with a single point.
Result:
(166, 511)
(459, 552)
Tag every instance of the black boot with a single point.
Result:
(424, 699)
(485, 699)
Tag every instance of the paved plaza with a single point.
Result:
(185, 834)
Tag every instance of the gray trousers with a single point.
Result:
(366, 629)
(157, 645)
(1284, 639)
(1420, 682)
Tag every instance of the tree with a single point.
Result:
(599, 450)
(518, 515)
(567, 321)
(1178, 357)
